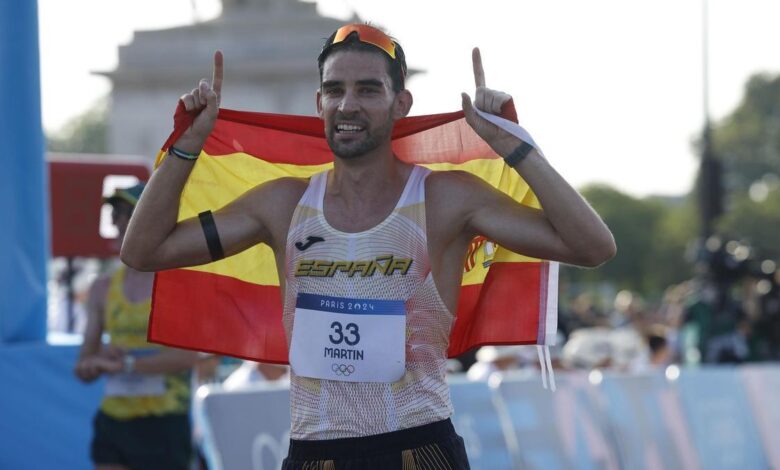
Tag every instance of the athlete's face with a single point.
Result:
(120, 215)
(357, 103)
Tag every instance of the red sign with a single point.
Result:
(76, 196)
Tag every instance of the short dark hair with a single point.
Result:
(396, 68)
(656, 342)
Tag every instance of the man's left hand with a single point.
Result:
(489, 101)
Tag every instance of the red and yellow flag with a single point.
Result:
(233, 306)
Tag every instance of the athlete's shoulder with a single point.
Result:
(273, 203)
(452, 198)
(287, 187)
(449, 184)
(452, 176)
(276, 193)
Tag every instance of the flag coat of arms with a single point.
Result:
(233, 306)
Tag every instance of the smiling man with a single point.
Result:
(369, 255)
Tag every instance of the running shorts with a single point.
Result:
(147, 443)
(429, 447)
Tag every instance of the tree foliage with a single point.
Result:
(756, 223)
(748, 142)
(86, 133)
(651, 236)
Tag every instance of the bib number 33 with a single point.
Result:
(351, 340)
(337, 337)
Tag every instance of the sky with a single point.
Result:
(610, 89)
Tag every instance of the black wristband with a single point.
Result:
(518, 154)
(212, 237)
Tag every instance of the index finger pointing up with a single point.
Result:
(479, 73)
(216, 79)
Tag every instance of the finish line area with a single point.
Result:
(708, 418)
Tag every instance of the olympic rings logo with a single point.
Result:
(342, 369)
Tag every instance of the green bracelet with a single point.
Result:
(182, 154)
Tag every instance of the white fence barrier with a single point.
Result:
(708, 418)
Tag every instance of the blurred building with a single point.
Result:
(270, 49)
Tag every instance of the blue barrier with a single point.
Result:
(45, 412)
(644, 415)
(247, 429)
(533, 417)
(709, 418)
(762, 383)
(24, 236)
(558, 430)
(722, 427)
(479, 422)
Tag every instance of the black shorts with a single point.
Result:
(153, 442)
(430, 447)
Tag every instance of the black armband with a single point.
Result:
(518, 154)
(212, 236)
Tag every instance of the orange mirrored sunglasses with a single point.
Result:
(366, 34)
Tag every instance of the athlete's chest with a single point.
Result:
(356, 217)
(393, 249)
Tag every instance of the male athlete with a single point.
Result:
(370, 208)
(143, 421)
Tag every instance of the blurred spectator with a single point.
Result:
(671, 313)
(580, 313)
(660, 351)
(501, 358)
(67, 290)
(630, 352)
(730, 347)
(765, 340)
(588, 348)
(214, 369)
(250, 372)
(622, 349)
(717, 327)
(628, 308)
(143, 419)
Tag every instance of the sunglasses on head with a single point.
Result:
(366, 34)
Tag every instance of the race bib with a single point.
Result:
(350, 340)
(135, 385)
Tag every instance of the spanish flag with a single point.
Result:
(233, 306)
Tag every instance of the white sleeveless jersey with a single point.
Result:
(330, 409)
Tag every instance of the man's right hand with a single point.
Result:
(157, 240)
(203, 100)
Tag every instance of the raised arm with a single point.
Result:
(154, 240)
(567, 229)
